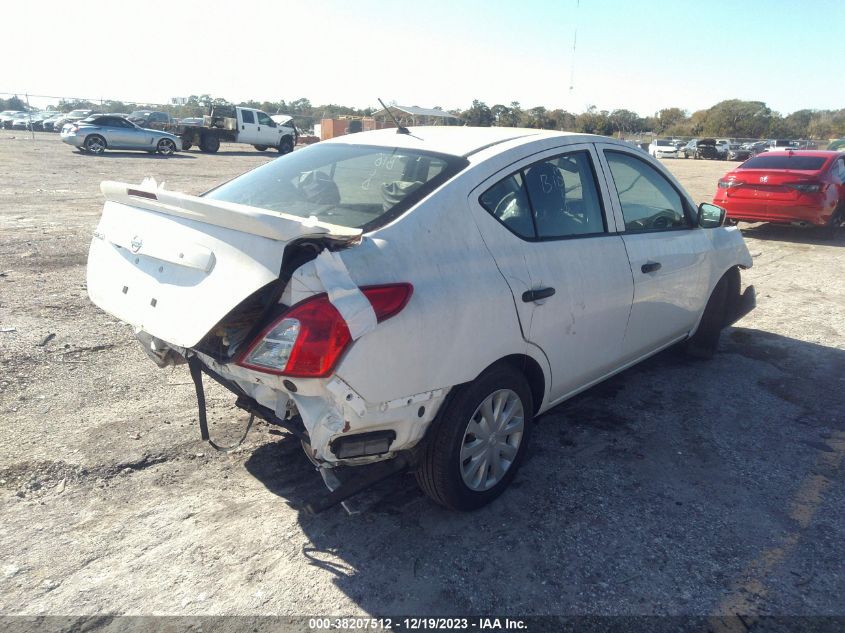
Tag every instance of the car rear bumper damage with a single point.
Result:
(374, 451)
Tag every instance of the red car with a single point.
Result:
(803, 188)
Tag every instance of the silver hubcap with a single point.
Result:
(492, 439)
(165, 147)
(95, 145)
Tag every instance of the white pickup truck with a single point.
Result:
(234, 124)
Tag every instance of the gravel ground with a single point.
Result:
(677, 487)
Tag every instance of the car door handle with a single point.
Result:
(535, 295)
(243, 127)
(651, 267)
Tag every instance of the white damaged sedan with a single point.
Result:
(415, 297)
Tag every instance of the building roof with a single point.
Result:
(415, 111)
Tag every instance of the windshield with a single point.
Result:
(349, 185)
(663, 143)
(785, 161)
(140, 114)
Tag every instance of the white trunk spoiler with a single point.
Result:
(271, 224)
(174, 265)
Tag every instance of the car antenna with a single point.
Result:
(400, 129)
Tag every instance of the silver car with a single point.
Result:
(98, 133)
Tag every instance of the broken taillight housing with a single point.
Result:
(307, 340)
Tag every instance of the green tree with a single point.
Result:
(668, 117)
(739, 119)
(479, 114)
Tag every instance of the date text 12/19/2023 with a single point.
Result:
(416, 624)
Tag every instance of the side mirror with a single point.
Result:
(710, 216)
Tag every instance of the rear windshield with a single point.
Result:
(349, 185)
(794, 162)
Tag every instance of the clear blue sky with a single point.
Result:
(637, 55)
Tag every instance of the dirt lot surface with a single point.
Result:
(677, 487)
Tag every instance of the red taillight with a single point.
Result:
(805, 187)
(729, 184)
(309, 339)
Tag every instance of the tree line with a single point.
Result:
(733, 118)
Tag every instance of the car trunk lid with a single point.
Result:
(173, 265)
(774, 185)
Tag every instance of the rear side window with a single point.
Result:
(507, 201)
(788, 161)
(247, 116)
(649, 201)
(554, 198)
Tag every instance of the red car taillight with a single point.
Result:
(309, 338)
(729, 184)
(805, 187)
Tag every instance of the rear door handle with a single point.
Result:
(650, 267)
(535, 295)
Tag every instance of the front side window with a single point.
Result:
(649, 201)
(554, 198)
(351, 185)
(263, 119)
(247, 117)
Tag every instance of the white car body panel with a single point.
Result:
(200, 258)
(173, 267)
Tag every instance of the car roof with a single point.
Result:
(446, 139)
(817, 153)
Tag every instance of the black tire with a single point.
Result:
(834, 227)
(166, 147)
(285, 145)
(186, 145)
(705, 341)
(260, 148)
(95, 144)
(439, 469)
(209, 143)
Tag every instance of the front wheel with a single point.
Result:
(95, 144)
(285, 145)
(478, 441)
(704, 342)
(166, 147)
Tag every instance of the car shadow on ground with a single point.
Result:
(138, 154)
(650, 493)
(253, 153)
(793, 234)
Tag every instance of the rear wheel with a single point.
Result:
(260, 148)
(166, 147)
(478, 441)
(95, 144)
(209, 143)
